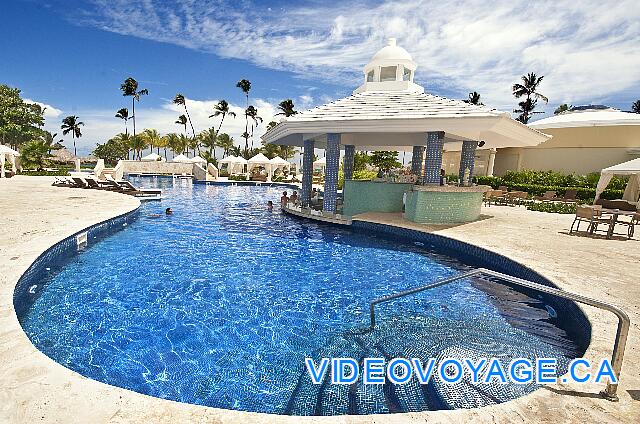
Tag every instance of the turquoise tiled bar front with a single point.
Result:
(444, 204)
(373, 196)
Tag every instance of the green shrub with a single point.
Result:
(61, 172)
(537, 182)
(552, 207)
(237, 178)
(223, 173)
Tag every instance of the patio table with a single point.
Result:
(615, 213)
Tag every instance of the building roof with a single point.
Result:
(367, 119)
(595, 116)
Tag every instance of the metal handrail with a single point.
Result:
(623, 320)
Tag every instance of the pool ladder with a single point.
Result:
(623, 320)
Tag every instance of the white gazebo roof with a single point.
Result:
(259, 159)
(278, 161)
(151, 157)
(588, 117)
(182, 159)
(8, 150)
(198, 159)
(626, 168)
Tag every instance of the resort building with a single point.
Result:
(390, 112)
(584, 139)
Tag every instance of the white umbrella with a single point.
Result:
(198, 159)
(181, 159)
(153, 157)
(6, 151)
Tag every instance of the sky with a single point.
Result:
(72, 56)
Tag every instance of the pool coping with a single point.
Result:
(135, 407)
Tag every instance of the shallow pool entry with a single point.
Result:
(220, 304)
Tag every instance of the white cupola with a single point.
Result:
(390, 69)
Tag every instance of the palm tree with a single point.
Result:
(208, 139)
(174, 143)
(179, 100)
(124, 141)
(562, 108)
(184, 143)
(151, 139)
(474, 99)
(70, 124)
(50, 141)
(529, 89)
(130, 88)
(162, 142)
(124, 115)
(526, 110)
(245, 86)
(222, 108)
(271, 125)
(286, 108)
(235, 150)
(182, 120)
(252, 113)
(225, 142)
(635, 107)
(137, 144)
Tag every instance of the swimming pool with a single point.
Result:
(220, 303)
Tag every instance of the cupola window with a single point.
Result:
(388, 73)
(406, 75)
(370, 76)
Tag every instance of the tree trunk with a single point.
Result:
(133, 102)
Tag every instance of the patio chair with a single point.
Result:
(569, 197)
(548, 196)
(495, 196)
(630, 224)
(592, 215)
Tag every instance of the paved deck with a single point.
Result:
(34, 388)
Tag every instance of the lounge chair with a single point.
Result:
(63, 182)
(569, 197)
(79, 182)
(548, 196)
(126, 185)
(592, 215)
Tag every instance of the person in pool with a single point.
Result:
(168, 211)
(294, 198)
(270, 206)
(284, 199)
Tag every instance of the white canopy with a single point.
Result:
(7, 152)
(631, 168)
(198, 159)
(153, 157)
(278, 161)
(259, 159)
(320, 163)
(181, 159)
(235, 164)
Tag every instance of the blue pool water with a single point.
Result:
(220, 303)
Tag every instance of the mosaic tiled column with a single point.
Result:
(467, 160)
(433, 163)
(416, 160)
(331, 173)
(349, 152)
(307, 171)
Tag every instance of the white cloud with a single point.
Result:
(101, 125)
(586, 50)
(49, 111)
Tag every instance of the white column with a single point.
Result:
(492, 161)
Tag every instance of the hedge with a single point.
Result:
(583, 193)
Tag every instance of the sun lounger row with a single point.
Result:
(124, 187)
